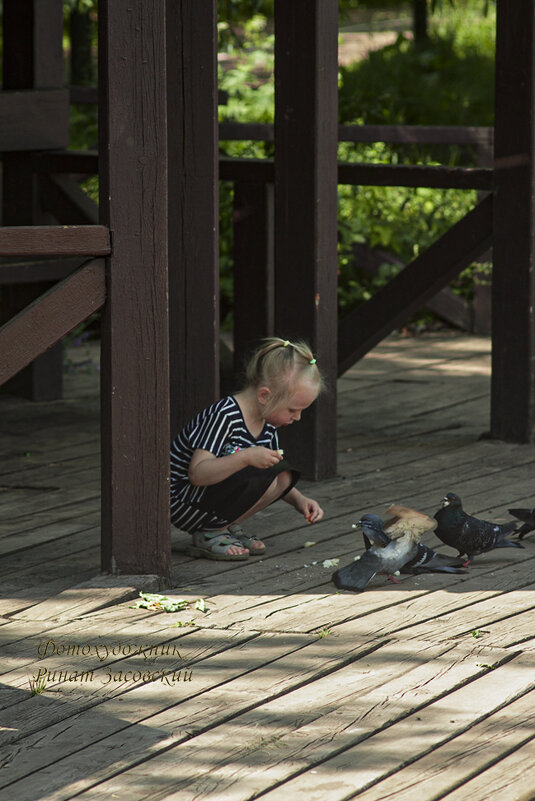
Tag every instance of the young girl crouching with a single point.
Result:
(226, 464)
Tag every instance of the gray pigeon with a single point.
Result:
(379, 558)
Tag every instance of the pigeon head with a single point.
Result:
(371, 521)
(451, 499)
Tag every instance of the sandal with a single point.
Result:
(245, 540)
(215, 547)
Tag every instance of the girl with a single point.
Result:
(226, 464)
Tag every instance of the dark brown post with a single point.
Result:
(306, 133)
(513, 280)
(32, 59)
(193, 207)
(135, 324)
(253, 266)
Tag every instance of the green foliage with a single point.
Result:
(401, 221)
(450, 82)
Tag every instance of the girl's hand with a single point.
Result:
(258, 456)
(311, 510)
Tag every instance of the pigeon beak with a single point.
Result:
(445, 501)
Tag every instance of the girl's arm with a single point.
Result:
(206, 468)
(307, 506)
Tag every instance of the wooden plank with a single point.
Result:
(279, 664)
(437, 177)
(306, 70)
(52, 240)
(194, 207)
(34, 110)
(513, 280)
(65, 199)
(212, 765)
(454, 763)
(395, 134)
(31, 272)
(417, 134)
(50, 317)
(510, 779)
(34, 120)
(255, 170)
(135, 323)
(74, 161)
(390, 748)
(253, 267)
(363, 328)
(90, 596)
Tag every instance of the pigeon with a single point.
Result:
(379, 558)
(528, 516)
(426, 560)
(470, 535)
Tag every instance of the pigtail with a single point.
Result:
(280, 364)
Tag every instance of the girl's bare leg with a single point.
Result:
(274, 491)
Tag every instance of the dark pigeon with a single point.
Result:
(470, 535)
(528, 516)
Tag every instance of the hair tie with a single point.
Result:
(286, 343)
(312, 361)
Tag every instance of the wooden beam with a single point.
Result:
(193, 207)
(262, 170)
(513, 279)
(253, 267)
(52, 240)
(437, 177)
(31, 272)
(306, 133)
(34, 120)
(254, 170)
(135, 323)
(395, 134)
(73, 161)
(363, 328)
(45, 321)
(34, 112)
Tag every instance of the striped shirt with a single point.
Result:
(221, 430)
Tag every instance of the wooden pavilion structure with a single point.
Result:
(150, 262)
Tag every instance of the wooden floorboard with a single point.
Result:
(282, 685)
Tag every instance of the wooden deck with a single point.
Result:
(284, 687)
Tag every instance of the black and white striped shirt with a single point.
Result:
(221, 430)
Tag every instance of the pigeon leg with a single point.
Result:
(393, 580)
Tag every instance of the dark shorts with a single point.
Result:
(234, 496)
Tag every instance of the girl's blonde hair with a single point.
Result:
(280, 365)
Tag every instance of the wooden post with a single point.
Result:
(32, 59)
(193, 207)
(253, 267)
(135, 324)
(513, 280)
(306, 133)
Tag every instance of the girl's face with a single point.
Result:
(288, 411)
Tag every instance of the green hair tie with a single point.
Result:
(286, 343)
(312, 361)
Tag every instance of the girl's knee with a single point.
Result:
(284, 480)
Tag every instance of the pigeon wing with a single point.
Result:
(357, 575)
